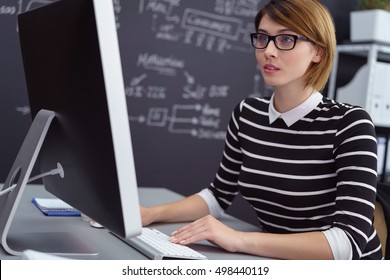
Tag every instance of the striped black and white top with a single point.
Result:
(316, 173)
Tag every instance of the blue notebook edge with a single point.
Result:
(56, 212)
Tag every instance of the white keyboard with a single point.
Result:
(155, 245)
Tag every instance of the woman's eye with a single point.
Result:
(287, 39)
(262, 38)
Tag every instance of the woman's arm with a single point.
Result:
(184, 210)
(310, 245)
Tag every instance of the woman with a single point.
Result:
(306, 164)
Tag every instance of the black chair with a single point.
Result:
(382, 217)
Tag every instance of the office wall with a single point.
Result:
(186, 64)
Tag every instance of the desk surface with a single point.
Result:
(29, 219)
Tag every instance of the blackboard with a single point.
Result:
(186, 64)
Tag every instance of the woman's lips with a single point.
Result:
(270, 69)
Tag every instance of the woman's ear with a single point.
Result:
(318, 54)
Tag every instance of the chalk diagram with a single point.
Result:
(198, 119)
(222, 29)
(225, 29)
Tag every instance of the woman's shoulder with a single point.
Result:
(343, 110)
(259, 103)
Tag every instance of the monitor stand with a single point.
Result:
(59, 243)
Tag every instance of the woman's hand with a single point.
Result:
(208, 228)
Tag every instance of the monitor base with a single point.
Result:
(14, 243)
(64, 244)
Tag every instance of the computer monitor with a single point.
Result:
(76, 92)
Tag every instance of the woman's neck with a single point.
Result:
(285, 100)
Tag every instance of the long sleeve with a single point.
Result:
(225, 185)
(355, 153)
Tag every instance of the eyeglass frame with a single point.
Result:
(273, 38)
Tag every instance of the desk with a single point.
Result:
(29, 219)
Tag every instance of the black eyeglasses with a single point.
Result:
(283, 42)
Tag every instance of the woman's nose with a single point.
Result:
(271, 49)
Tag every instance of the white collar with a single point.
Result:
(295, 114)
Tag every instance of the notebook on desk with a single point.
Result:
(55, 207)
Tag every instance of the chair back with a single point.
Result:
(382, 217)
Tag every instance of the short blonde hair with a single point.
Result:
(311, 19)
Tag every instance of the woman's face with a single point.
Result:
(281, 68)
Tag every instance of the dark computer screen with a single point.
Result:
(72, 67)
